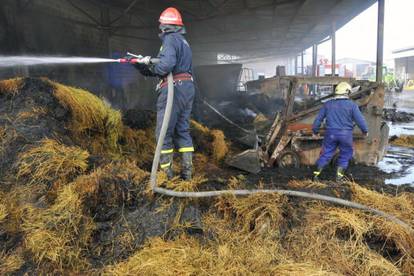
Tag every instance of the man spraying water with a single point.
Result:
(174, 56)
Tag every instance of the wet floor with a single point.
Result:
(399, 161)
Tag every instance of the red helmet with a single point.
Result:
(171, 16)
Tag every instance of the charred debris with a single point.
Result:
(74, 199)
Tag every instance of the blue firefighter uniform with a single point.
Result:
(340, 114)
(175, 56)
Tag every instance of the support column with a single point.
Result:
(380, 39)
(296, 65)
(302, 63)
(333, 51)
(315, 60)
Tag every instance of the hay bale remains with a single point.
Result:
(59, 235)
(210, 142)
(90, 118)
(404, 141)
(10, 263)
(51, 161)
(138, 145)
(11, 87)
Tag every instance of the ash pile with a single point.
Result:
(395, 116)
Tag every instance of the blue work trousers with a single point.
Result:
(178, 133)
(342, 139)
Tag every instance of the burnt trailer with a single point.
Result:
(289, 140)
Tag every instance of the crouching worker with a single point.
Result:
(340, 114)
(175, 56)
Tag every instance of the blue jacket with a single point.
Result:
(340, 114)
(175, 56)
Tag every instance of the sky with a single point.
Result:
(358, 38)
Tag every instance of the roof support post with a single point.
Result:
(333, 51)
(380, 39)
(296, 65)
(302, 63)
(315, 60)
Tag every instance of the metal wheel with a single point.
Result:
(288, 159)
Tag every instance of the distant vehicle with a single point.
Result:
(409, 86)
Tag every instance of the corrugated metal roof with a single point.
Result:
(247, 28)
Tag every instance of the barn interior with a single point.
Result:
(77, 143)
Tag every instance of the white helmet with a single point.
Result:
(343, 88)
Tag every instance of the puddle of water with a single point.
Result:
(399, 162)
(405, 103)
(404, 100)
(408, 178)
(400, 129)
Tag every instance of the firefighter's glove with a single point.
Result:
(145, 60)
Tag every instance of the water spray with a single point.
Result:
(13, 61)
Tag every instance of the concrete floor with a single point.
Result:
(399, 161)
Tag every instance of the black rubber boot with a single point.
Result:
(316, 174)
(186, 165)
(166, 161)
(340, 174)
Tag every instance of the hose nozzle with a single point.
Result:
(127, 60)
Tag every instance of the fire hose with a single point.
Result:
(156, 189)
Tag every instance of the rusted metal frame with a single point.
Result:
(285, 139)
(299, 137)
(290, 98)
(274, 131)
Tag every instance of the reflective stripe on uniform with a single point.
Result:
(167, 151)
(340, 174)
(187, 149)
(163, 166)
(316, 173)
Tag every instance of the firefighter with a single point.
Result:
(175, 56)
(340, 114)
